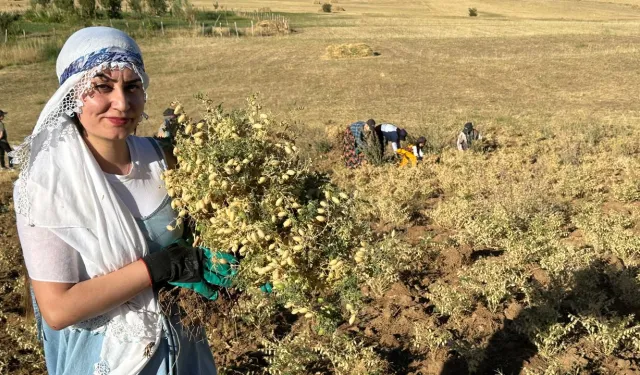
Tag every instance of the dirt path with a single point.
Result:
(19, 350)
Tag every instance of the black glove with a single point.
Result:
(175, 263)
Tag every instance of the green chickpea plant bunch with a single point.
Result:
(241, 181)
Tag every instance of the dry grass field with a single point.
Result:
(536, 240)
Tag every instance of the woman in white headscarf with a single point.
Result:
(92, 215)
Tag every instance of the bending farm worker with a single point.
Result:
(94, 219)
(418, 148)
(389, 133)
(168, 124)
(467, 136)
(355, 141)
(4, 143)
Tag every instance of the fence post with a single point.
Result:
(110, 22)
(252, 33)
(162, 27)
(203, 29)
(6, 36)
(24, 34)
(236, 26)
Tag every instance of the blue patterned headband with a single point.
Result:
(105, 55)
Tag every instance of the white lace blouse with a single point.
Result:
(48, 258)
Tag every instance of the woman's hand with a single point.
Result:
(175, 263)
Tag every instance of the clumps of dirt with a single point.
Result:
(264, 10)
(487, 145)
(349, 51)
(20, 351)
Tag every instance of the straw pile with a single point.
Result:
(349, 51)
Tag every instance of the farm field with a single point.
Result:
(518, 257)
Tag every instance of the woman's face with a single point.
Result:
(114, 105)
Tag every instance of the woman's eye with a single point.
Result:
(133, 88)
(103, 88)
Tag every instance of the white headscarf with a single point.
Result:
(62, 188)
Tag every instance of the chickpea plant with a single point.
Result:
(241, 181)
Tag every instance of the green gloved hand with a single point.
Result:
(218, 271)
(201, 287)
(219, 268)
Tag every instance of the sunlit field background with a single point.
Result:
(529, 244)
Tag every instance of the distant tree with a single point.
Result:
(326, 7)
(64, 5)
(113, 8)
(176, 9)
(157, 7)
(135, 6)
(87, 8)
(7, 20)
(473, 12)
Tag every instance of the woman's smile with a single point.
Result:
(119, 121)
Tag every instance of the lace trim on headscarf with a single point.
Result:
(110, 55)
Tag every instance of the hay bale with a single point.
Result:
(349, 51)
(269, 27)
(222, 31)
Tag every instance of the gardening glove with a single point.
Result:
(215, 273)
(267, 288)
(202, 288)
(175, 263)
(219, 268)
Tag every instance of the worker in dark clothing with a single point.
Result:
(4, 143)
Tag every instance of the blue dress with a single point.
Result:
(74, 351)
